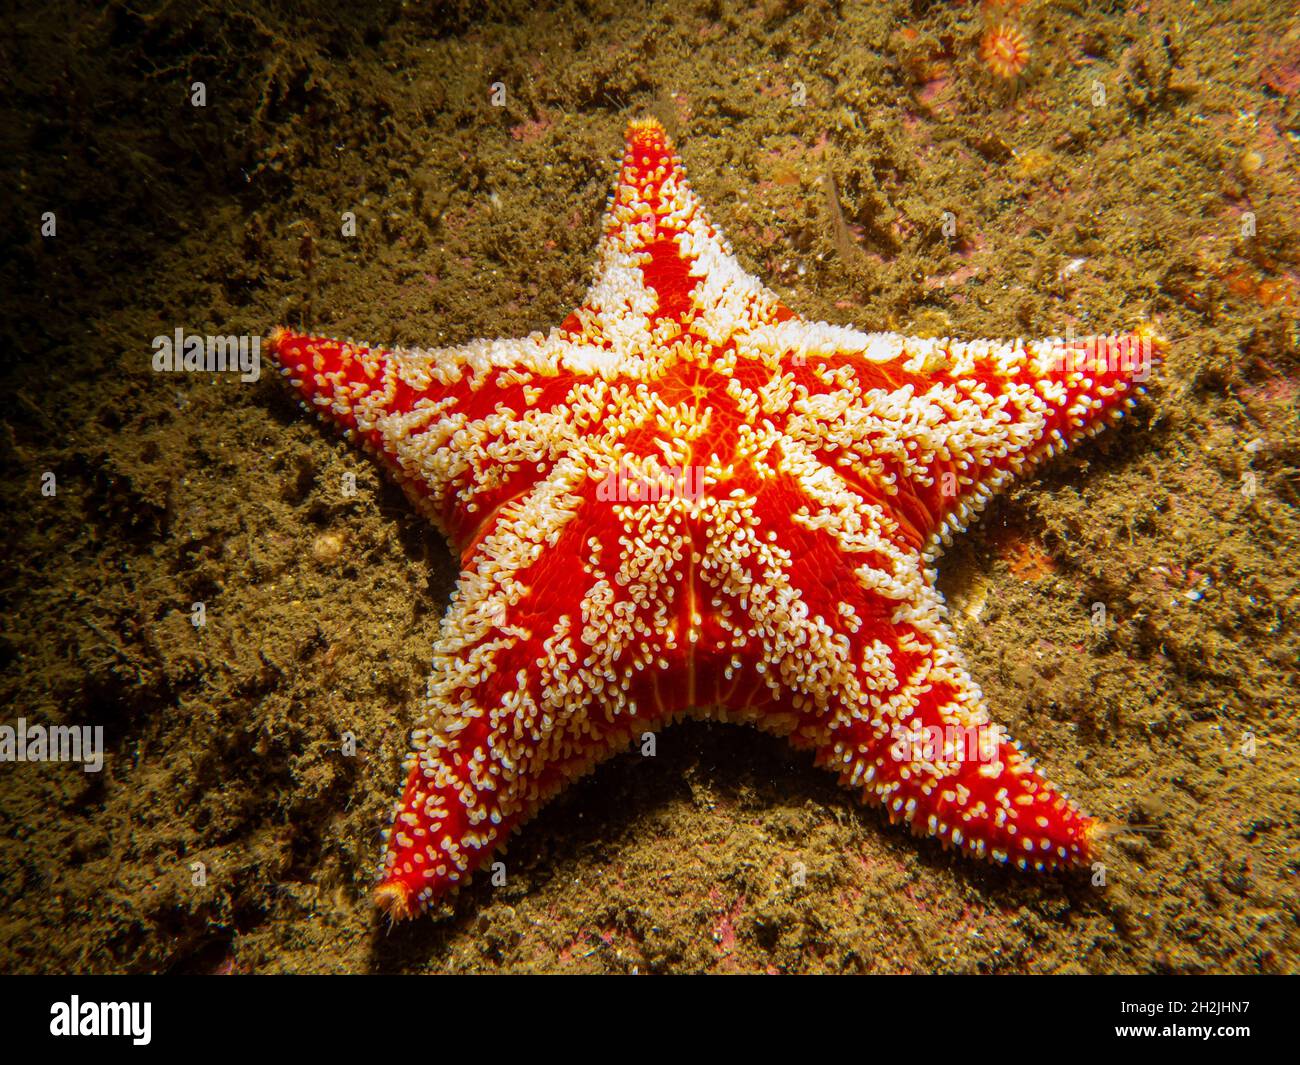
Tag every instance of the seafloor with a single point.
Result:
(1114, 182)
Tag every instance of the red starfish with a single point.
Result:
(686, 501)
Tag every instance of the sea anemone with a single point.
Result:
(1005, 50)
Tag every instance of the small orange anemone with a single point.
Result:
(1005, 50)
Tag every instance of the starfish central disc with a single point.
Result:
(685, 500)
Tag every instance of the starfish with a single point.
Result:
(686, 501)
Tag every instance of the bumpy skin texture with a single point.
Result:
(687, 501)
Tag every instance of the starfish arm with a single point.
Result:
(844, 648)
(918, 740)
(560, 648)
(464, 430)
(664, 270)
(936, 427)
